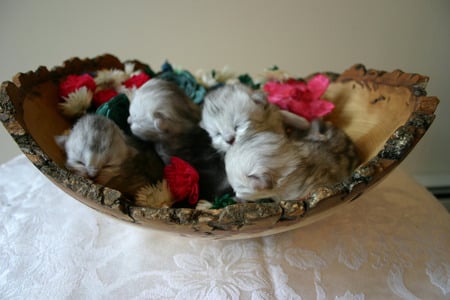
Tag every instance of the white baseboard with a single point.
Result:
(434, 180)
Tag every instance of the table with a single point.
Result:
(391, 243)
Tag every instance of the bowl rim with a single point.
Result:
(234, 221)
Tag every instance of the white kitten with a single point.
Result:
(159, 110)
(231, 111)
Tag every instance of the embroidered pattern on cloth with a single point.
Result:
(391, 243)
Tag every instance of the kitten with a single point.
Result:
(160, 110)
(232, 110)
(162, 113)
(270, 165)
(96, 148)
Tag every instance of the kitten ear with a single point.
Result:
(160, 122)
(259, 97)
(261, 181)
(62, 139)
(294, 120)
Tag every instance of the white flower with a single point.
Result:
(213, 77)
(273, 75)
(76, 103)
(217, 273)
(110, 79)
(205, 78)
(224, 75)
(129, 68)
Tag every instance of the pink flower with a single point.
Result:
(299, 97)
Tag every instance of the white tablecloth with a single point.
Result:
(392, 243)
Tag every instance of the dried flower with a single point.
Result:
(248, 81)
(300, 97)
(128, 68)
(185, 80)
(136, 81)
(117, 109)
(76, 103)
(155, 196)
(273, 74)
(182, 180)
(103, 96)
(212, 78)
(75, 82)
(110, 79)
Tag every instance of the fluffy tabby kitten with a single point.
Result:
(96, 148)
(269, 165)
(162, 113)
(230, 111)
(160, 110)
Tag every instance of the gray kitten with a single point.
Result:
(162, 113)
(230, 111)
(270, 165)
(96, 148)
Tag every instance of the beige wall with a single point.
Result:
(299, 36)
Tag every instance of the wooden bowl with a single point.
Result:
(385, 114)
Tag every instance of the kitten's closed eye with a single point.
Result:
(78, 162)
(109, 166)
(161, 125)
(260, 181)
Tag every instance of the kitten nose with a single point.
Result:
(231, 140)
(92, 173)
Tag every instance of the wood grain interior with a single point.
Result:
(369, 113)
(44, 120)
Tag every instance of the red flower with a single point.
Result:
(103, 96)
(136, 80)
(301, 98)
(182, 180)
(74, 82)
